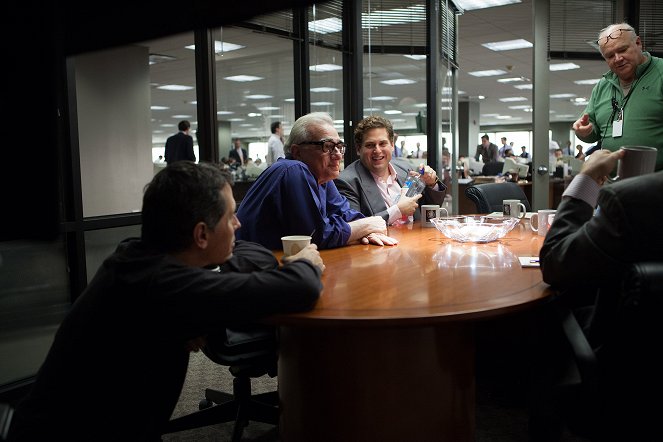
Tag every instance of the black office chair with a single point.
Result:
(488, 197)
(249, 352)
(492, 168)
(615, 386)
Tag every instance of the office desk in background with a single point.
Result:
(387, 354)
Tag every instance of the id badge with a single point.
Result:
(618, 126)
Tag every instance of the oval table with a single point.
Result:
(387, 354)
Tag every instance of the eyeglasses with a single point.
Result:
(327, 145)
(614, 35)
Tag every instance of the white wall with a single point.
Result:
(113, 99)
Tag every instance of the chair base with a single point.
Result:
(220, 407)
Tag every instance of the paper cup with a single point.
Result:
(294, 244)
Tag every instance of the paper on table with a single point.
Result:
(529, 261)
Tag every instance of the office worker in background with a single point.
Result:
(297, 196)
(238, 153)
(502, 150)
(373, 183)
(180, 146)
(275, 144)
(626, 106)
(487, 150)
(524, 153)
(128, 337)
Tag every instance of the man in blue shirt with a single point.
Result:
(297, 195)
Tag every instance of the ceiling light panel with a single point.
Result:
(325, 26)
(325, 67)
(398, 81)
(508, 45)
(487, 73)
(175, 87)
(243, 78)
(324, 89)
(469, 5)
(563, 66)
(511, 99)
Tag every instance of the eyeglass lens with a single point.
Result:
(329, 146)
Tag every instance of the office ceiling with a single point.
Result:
(270, 57)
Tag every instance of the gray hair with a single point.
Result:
(619, 26)
(300, 130)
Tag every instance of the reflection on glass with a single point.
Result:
(482, 256)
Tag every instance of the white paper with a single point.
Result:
(529, 261)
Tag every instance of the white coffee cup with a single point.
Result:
(513, 208)
(294, 244)
(637, 160)
(430, 211)
(540, 221)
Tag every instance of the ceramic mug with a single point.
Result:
(637, 160)
(513, 208)
(430, 211)
(540, 221)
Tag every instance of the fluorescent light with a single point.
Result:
(476, 97)
(563, 66)
(590, 81)
(523, 86)
(267, 108)
(521, 106)
(182, 116)
(277, 116)
(159, 58)
(324, 89)
(511, 80)
(508, 45)
(415, 56)
(159, 107)
(562, 95)
(487, 73)
(382, 98)
(321, 103)
(220, 47)
(397, 81)
(246, 125)
(469, 5)
(510, 99)
(325, 67)
(289, 100)
(258, 97)
(175, 87)
(167, 125)
(339, 121)
(224, 112)
(235, 119)
(393, 112)
(372, 109)
(579, 100)
(325, 26)
(503, 117)
(421, 105)
(243, 78)
(254, 114)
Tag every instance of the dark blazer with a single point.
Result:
(233, 154)
(584, 252)
(179, 147)
(356, 183)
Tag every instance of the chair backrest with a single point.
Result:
(488, 197)
(491, 169)
(253, 346)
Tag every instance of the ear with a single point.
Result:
(200, 235)
(294, 151)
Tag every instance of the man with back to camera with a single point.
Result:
(179, 147)
(128, 336)
(626, 106)
(373, 182)
(487, 150)
(297, 195)
(275, 144)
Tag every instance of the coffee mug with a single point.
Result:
(430, 211)
(540, 221)
(513, 208)
(637, 160)
(294, 244)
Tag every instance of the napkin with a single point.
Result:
(529, 261)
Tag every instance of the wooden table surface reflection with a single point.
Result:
(388, 352)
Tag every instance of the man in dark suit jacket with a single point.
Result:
(179, 147)
(373, 181)
(238, 152)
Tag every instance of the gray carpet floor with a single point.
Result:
(501, 414)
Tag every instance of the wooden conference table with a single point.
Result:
(387, 354)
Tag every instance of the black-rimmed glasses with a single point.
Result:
(614, 35)
(327, 145)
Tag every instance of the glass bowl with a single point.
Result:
(476, 228)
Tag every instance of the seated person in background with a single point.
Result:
(508, 153)
(372, 184)
(557, 157)
(524, 153)
(297, 195)
(132, 329)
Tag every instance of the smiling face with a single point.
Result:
(623, 54)
(324, 167)
(375, 151)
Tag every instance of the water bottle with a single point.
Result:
(415, 186)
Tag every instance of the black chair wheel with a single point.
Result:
(204, 403)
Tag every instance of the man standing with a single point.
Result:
(179, 147)
(372, 184)
(626, 106)
(238, 153)
(487, 150)
(275, 144)
(504, 147)
(524, 153)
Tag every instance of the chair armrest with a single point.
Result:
(643, 285)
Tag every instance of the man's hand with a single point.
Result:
(379, 239)
(582, 127)
(429, 176)
(309, 253)
(407, 204)
(599, 164)
(365, 226)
